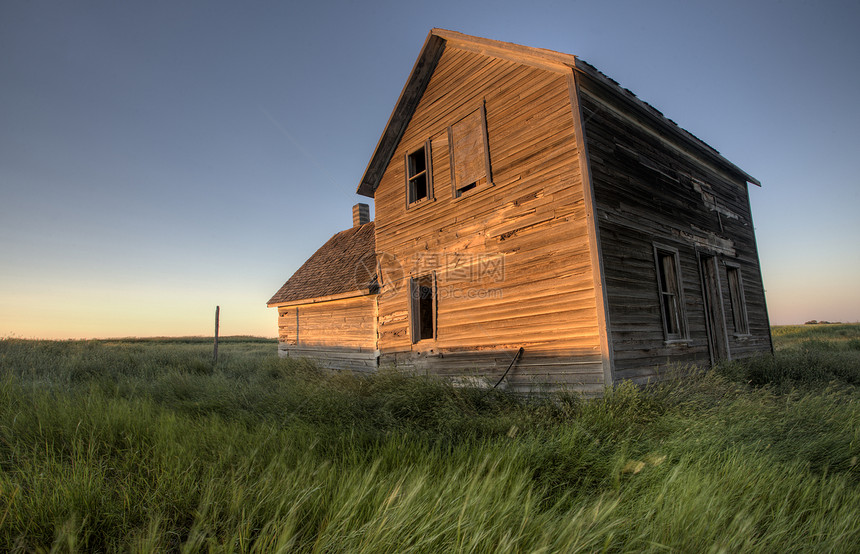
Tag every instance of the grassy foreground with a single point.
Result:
(143, 446)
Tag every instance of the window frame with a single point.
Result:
(470, 188)
(415, 311)
(681, 335)
(428, 172)
(737, 300)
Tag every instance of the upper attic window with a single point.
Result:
(418, 182)
(470, 158)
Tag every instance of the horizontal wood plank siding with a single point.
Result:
(647, 193)
(512, 260)
(327, 357)
(339, 334)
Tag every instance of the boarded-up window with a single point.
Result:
(470, 160)
(736, 296)
(419, 184)
(671, 302)
(422, 294)
(440, 153)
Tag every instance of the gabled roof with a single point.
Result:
(431, 52)
(344, 266)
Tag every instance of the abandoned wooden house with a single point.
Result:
(525, 200)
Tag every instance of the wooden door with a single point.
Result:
(714, 316)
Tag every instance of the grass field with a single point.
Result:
(143, 445)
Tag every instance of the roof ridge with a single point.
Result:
(425, 65)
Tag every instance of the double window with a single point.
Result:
(671, 297)
(468, 156)
(422, 307)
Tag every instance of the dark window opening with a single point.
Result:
(736, 296)
(670, 294)
(423, 308)
(459, 192)
(417, 175)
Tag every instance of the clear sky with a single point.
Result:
(160, 158)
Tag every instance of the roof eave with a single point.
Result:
(672, 129)
(303, 301)
(402, 113)
(434, 46)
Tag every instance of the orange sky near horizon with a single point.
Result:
(159, 159)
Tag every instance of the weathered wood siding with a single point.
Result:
(648, 191)
(338, 334)
(512, 260)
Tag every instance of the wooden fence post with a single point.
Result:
(217, 315)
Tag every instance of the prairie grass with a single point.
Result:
(147, 446)
(836, 336)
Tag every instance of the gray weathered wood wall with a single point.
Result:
(651, 189)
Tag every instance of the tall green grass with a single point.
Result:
(148, 446)
(806, 356)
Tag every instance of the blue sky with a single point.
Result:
(161, 158)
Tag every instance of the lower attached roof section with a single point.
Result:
(320, 299)
(346, 264)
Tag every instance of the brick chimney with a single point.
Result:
(360, 214)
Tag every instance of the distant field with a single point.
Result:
(840, 335)
(145, 445)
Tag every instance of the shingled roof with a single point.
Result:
(344, 264)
